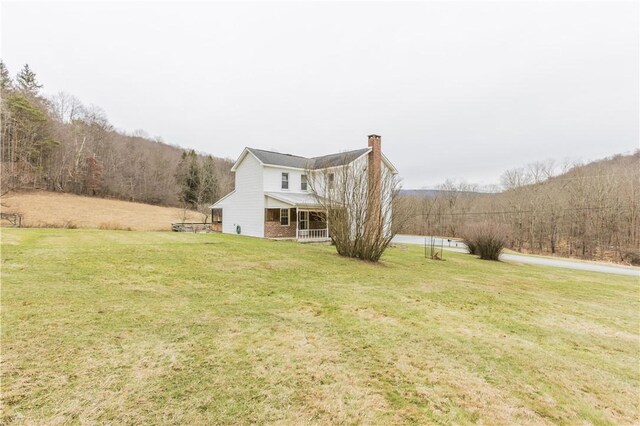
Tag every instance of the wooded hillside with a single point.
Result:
(590, 211)
(58, 144)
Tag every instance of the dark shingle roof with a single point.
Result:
(278, 159)
(337, 159)
(288, 160)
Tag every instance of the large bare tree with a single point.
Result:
(359, 206)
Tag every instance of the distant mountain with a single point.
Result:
(427, 193)
(430, 193)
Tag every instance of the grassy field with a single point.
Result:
(135, 327)
(59, 210)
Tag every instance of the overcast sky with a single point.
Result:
(456, 89)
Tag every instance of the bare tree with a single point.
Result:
(359, 206)
(65, 107)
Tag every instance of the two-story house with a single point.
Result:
(273, 197)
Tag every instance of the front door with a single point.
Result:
(304, 220)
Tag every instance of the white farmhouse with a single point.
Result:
(273, 197)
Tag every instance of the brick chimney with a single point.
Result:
(375, 158)
(374, 169)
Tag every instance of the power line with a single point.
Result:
(514, 211)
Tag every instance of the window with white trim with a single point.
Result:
(303, 182)
(284, 217)
(285, 181)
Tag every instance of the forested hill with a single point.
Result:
(588, 210)
(58, 144)
(617, 166)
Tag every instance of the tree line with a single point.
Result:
(58, 144)
(589, 211)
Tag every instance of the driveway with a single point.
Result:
(523, 258)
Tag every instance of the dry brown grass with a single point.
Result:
(41, 209)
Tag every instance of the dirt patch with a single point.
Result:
(373, 315)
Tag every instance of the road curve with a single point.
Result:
(523, 258)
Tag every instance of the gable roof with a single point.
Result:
(288, 160)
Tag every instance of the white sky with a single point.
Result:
(456, 89)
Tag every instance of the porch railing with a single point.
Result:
(313, 234)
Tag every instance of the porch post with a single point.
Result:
(326, 222)
(297, 222)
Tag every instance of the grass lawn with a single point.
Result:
(135, 327)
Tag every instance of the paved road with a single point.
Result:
(452, 245)
(530, 260)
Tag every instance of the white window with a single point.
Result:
(331, 179)
(284, 217)
(303, 182)
(285, 181)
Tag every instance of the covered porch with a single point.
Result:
(312, 225)
(295, 216)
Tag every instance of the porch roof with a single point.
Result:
(295, 199)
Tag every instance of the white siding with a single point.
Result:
(387, 197)
(271, 203)
(273, 179)
(246, 206)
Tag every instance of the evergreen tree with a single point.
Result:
(188, 178)
(5, 78)
(26, 80)
(209, 184)
(27, 141)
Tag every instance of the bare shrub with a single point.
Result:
(486, 240)
(69, 224)
(113, 226)
(632, 257)
(359, 208)
(471, 245)
(65, 224)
